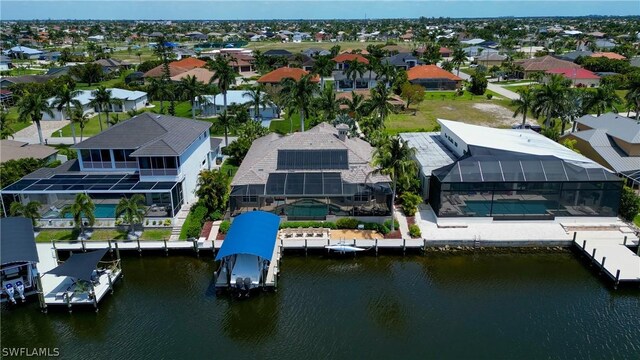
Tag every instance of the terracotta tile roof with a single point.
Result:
(159, 70)
(278, 75)
(203, 75)
(574, 73)
(444, 50)
(350, 57)
(189, 63)
(546, 63)
(608, 55)
(430, 72)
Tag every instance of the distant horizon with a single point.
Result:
(311, 10)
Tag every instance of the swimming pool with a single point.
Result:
(484, 208)
(102, 211)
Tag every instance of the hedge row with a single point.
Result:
(193, 223)
(343, 223)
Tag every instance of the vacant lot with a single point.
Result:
(468, 108)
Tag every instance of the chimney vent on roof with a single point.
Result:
(343, 129)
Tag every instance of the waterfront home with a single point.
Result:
(612, 141)
(578, 77)
(15, 150)
(368, 80)
(476, 171)
(432, 77)
(276, 76)
(157, 156)
(544, 63)
(403, 61)
(210, 105)
(310, 175)
(129, 100)
(342, 60)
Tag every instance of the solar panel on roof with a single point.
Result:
(312, 159)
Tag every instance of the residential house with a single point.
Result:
(473, 51)
(189, 63)
(95, 38)
(157, 156)
(543, 64)
(317, 174)
(16, 150)
(490, 59)
(342, 60)
(368, 80)
(182, 53)
(276, 76)
(129, 100)
(431, 77)
(446, 53)
(23, 52)
(278, 52)
(403, 61)
(608, 55)
(473, 42)
(578, 77)
(7, 81)
(111, 66)
(612, 141)
(509, 174)
(312, 52)
(203, 75)
(210, 105)
(574, 55)
(158, 71)
(58, 71)
(5, 63)
(134, 78)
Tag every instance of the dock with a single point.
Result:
(612, 257)
(134, 245)
(61, 290)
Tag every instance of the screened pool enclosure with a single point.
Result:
(523, 186)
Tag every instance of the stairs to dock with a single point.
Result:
(179, 221)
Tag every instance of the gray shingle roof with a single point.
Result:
(262, 158)
(400, 59)
(150, 135)
(615, 125)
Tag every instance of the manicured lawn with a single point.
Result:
(183, 108)
(92, 127)
(468, 108)
(229, 168)
(17, 125)
(147, 54)
(101, 234)
(107, 83)
(636, 220)
(285, 126)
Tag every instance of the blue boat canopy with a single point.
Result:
(252, 233)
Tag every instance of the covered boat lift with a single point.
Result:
(18, 259)
(249, 257)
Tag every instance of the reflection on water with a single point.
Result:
(437, 306)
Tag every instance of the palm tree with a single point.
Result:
(99, 96)
(549, 98)
(379, 105)
(323, 66)
(633, 98)
(356, 105)
(31, 210)
(132, 210)
(226, 121)
(191, 88)
(355, 70)
(159, 90)
(394, 158)
(458, 58)
(79, 117)
(82, 207)
(299, 94)
(32, 106)
(66, 98)
(328, 104)
(604, 98)
(6, 131)
(224, 74)
(523, 104)
(258, 98)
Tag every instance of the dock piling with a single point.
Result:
(593, 255)
(615, 285)
(67, 300)
(166, 249)
(404, 246)
(139, 249)
(117, 251)
(305, 246)
(84, 249)
(43, 305)
(195, 247)
(376, 246)
(575, 234)
(110, 283)
(625, 240)
(604, 258)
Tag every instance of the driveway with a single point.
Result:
(30, 133)
(495, 88)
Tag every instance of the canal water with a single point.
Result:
(492, 306)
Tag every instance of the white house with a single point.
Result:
(23, 52)
(129, 100)
(215, 105)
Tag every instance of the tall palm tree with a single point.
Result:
(99, 96)
(523, 104)
(328, 104)
(549, 98)
(604, 98)
(132, 210)
(79, 117)
(226, 121)
(64, 100)
(30, 210)
(355, 70)
(299, 94)
(394, 158)
(224, 74)
(379, 105)
(82, 207)
(323, 67)
(159, 90)
(356, 105)
(633, 98)
(191, 88)
(458, 58)
(258, 98)
(32, 106)
(6, 131)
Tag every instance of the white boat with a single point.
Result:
(344, 248)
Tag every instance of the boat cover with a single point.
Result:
(252, 233)
(79, 266)
(17, 243)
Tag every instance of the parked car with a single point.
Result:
(536, 128)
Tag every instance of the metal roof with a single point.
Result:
(615, 125)
(252, 233)
(430, 153)
(617, 159)
(17, 243)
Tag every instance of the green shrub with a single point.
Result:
(347, 223)
(193, 223)
(167, 222)
(410, 202)
(384, 229)
(489, 96)
(629, 204)
(387, 223)
(153, 223)
(224, 226)
(414, 231)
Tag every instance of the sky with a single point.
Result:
(304, 9)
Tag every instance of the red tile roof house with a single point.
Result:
(578, 77)
(342, 60)
(445, 53)
(609, 55)
(544, 63)
(432, 77)
(277, 75)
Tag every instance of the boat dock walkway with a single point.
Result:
(61, 290)
(135, 245)
(613, 257)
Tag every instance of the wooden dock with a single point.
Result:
(613, 258)
(135, 245)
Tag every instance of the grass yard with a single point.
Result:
(229, 168)
(183, 108)
(92, 127)
(636, 220)
(468, 108)
(101, 234)
(16, 124)
(107, 83)
(285, 126)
